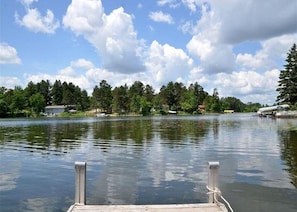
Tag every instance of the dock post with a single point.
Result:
(212, 181)
(80, 183)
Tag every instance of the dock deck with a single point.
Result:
(213, 204)
(203, 207)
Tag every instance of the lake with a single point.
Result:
(149, 160)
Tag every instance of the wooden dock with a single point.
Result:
(212, 206)
(203, 207)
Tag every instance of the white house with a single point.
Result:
(53, 110)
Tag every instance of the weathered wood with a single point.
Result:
(204, 207)
(80, 182)
(212, 181)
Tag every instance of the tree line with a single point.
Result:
(137, 98)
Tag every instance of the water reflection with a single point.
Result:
(288, 144)
(9, 174)
(124, 130)
(172, 132)
(137, 161)
(44, 138)
(147, 160)
(178, 132)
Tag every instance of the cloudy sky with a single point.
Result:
(236, 46)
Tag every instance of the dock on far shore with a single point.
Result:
(213, 204)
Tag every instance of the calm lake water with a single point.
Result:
(155, 160)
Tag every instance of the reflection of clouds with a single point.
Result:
(9, 173)
(176, 165)
(43, 204)
(126, 172)
(249, 152)
(156, 163)
(36, 204)
(123, 172)
(117, 182)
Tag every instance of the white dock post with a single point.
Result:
(212, 180)
(80, 183)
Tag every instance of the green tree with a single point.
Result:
(57, 93)
(252, 107)
(136, 91)
(232, 103)
(149, 93)
(3, 108)
(216, 106)
(18, 100)
(102, 96)
(69, 94)
(172, 94)
(44, 88)
(37, 103)
(193, 97)
(30, 90)
(2, 91)
(157, 102)
(77, 99)
(287, 84)
(189, 101)
(137, 88)
(3, 104)
(8, 96)
(85, 101)
(145, 106)
(120, 99)
(199, 92)
(212, 103)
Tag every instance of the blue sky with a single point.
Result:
(236, 46)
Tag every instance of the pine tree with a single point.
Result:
(287, 84)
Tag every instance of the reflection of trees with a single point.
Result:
(56, 137)
(289, 152)
(176, 131)
(122, 131)
(59, 137)
(140, 130)
(45, 138)
(68, 136)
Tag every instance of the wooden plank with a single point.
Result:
(204, 207)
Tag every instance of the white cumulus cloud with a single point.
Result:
(35, 22)
(215, 57)
(8, 54)
(161, 17)
(9, 82)
(248, 84)
(84, 74)
(82, 63)
(113, 34)
(192, 5)
(272, 50)
(167, 63)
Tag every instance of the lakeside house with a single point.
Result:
(53, 110)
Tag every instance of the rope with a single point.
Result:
(218, 193)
